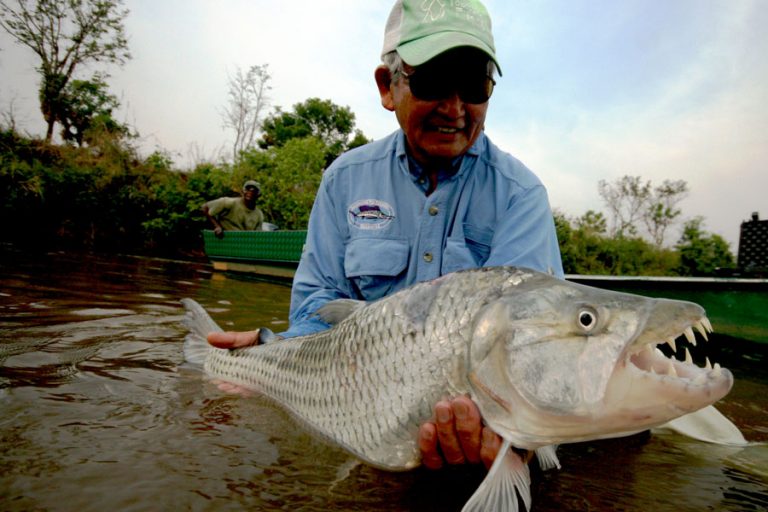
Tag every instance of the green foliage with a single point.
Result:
(100, 198)
(587, 250)
(86, 110)
(702, 253)
(103, 197)
(177, 220)
(289, 176)
(322, 119)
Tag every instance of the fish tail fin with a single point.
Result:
(507, 478)
(199, 323)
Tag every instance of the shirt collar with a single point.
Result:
(416, 170)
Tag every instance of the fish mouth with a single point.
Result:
(646, 360)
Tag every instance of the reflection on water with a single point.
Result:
(98, 412)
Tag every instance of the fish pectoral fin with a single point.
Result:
(337, 310)
(708, 425)
(507, 478)
(547, 457)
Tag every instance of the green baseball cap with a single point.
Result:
(421, 30)
(252, 183)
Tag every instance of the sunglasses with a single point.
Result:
(429, 86)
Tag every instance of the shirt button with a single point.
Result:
(428, 257)
(433, 210)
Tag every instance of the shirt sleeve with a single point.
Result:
(320, 277)
(526, 235)
(217, 206)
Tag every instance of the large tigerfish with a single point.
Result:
(546, 360)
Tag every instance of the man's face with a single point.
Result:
(446, 127)
(250, 193)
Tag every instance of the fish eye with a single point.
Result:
(587, 319)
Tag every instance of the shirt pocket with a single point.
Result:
(375, 265)
(468, 251)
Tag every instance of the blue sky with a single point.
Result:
(592, 90)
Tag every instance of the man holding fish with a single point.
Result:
(434, 197)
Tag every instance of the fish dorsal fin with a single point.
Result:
(508, 477)
(708, 425)
(267, 336)
(337, 310)
(548, 457)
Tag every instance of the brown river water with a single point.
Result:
(98, 412)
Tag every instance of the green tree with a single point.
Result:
(88, 106)
(625, 199)
(586, 249)
(65, 34)
(592, 222)
(632, 202)
(661, 210)
(702, 253)
(331, 124)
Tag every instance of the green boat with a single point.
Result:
(272, 254)
(736, 307)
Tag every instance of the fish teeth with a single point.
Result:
(702, 330)
(690, 336)
(716, 371)
(671, 343)
(708, 365)
(688, 358)
(706, 324)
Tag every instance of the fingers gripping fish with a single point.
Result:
(547, 361)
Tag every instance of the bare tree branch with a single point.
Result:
(247, 100)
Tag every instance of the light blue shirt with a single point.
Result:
(373, 229)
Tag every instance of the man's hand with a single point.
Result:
(218, 231)
(231, 339)
(459, 433)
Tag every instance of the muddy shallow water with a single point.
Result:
(98, 412)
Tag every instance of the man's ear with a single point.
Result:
(384, 83)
